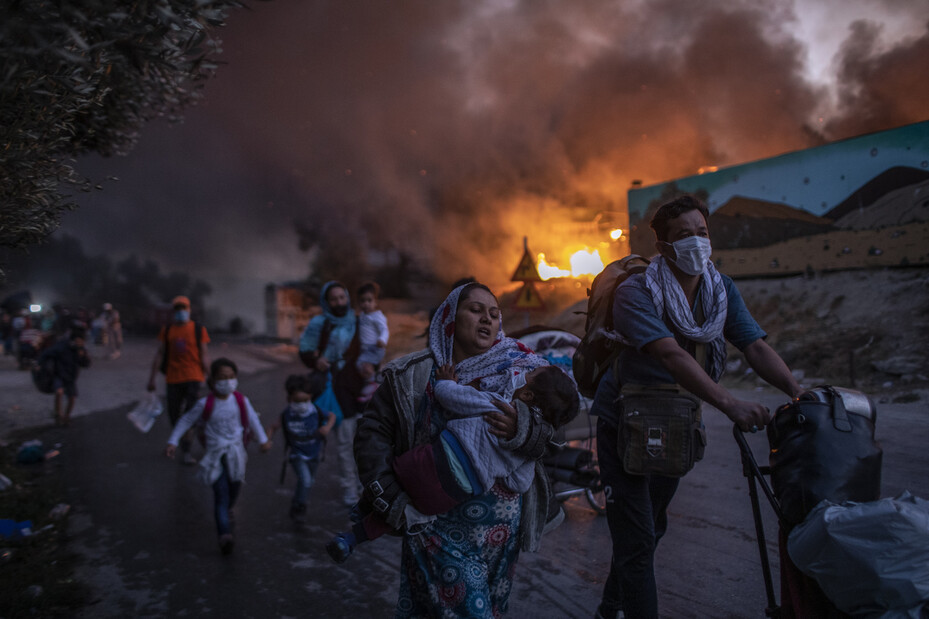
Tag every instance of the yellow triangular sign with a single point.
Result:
(528, 298)
(526, 271)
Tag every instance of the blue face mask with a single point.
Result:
(182, 315)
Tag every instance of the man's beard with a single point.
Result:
(340, 311)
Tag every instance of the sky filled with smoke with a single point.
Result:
(449, 130)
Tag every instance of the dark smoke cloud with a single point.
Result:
(448, 130)
(881, 87)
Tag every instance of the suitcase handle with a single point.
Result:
(753, 471)
(755, 475)
(839, 415)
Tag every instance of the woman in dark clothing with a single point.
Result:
(462, 563)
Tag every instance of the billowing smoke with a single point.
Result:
(880, 87)
(449, 130)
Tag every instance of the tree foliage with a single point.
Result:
(81, 76)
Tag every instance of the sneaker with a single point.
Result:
(226, 543)
(189, 458)
(340, 548)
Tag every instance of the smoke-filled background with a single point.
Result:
(438, 134)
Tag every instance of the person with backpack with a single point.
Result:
(65, 359)
(305, 430)
(330, 345)
(182, 358)
(674, 320)
(226, 420)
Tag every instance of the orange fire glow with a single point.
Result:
(585, 262)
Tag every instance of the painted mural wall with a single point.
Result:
(856, 203)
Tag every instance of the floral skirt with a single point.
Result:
(462, 565)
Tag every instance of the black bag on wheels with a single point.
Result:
(823, 447)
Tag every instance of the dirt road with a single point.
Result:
(144, 527)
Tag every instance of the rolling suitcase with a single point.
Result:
(822, 447)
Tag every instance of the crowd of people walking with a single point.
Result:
(443, 446)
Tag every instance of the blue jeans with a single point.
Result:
(636, 511)
(306, 472)
(225, 492)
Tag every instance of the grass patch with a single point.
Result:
(37, 571)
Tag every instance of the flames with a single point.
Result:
(583, 263)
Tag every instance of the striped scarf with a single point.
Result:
(668, 295)
(494, 369)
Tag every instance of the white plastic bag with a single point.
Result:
(871, 559)
(146, 411)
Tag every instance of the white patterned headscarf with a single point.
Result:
(494, 369)
(667, 294)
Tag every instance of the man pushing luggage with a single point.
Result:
(675, 319)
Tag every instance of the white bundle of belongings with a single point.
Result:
(870, 559)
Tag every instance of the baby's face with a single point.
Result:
(528, 395)
(367, 302)
(525, 392)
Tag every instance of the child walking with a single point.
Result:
(466, 459)
(68, 356)
(227, 420)
(305, 431)
(373, 335)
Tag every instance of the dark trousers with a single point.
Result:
(347, 384)
(225, 492)
(181, 397)
(636, 511)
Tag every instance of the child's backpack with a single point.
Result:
(43, 374)
(601, 344)
(208, 411)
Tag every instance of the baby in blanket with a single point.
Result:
(466, 459)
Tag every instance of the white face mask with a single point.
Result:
(225, 387)
(301, 408)
(692, 254)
